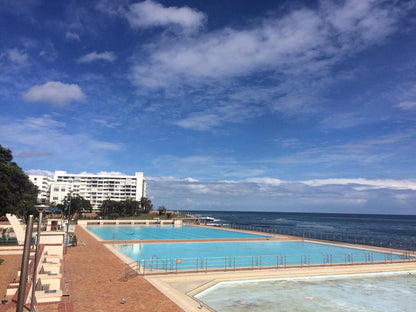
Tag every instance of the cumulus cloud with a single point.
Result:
(150, 14)
(304, 40)
(54, 93)
(94, 56)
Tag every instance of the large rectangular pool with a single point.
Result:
(164, 232)
(210, 255)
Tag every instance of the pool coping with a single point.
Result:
(182, 288)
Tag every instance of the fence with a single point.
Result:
(156, 265)
(410, 246)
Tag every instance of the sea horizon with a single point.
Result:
(297, 212)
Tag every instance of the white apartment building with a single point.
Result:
(43, 184)
(96, 188)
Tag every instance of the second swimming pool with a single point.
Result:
(189, 256)
(364, 292)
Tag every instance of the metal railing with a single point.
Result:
(157, 265)
(131, 270)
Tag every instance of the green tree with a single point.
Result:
(132, 207)
(72, 205)
(146, 205)
(17, 193)
(114, 209)
(162, 210)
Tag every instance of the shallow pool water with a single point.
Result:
(163, 232)
(367, 292)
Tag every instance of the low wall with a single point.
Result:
(128, 222)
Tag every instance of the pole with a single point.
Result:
(35, 268)
(67, 225)
(24, 267)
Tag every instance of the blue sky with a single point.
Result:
(241, 105)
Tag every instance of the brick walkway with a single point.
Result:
(95, 277)
(8, 273)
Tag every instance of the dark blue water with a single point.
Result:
(380, 230)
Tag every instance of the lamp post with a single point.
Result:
(40, 208)
(67, 225)
(24, 267)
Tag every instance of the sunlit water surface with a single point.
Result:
(368, 292)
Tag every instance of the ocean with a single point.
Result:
(395, 231)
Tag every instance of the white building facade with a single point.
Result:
(96, 188)
(43, 184)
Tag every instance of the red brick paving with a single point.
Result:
(96, 281)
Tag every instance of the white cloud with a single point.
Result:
(55, 93)
(199, 121)
(408, 105)
(365, 184)
(268, 181)
(17, 57)
(72, 36)
(345, 120)
(293, 57)
(170, 179)
(216, 116)
(65, 145)
(332, 195)
(150, 14)
(110, 173)
(40, 172)
(303, 41)
(94, 56)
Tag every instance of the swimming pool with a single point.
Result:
(211, 255)
(364, 292)
(164, 232)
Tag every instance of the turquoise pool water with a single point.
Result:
(162, 232)
(245, 254)
(391, 292)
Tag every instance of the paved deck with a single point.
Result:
(8, 272)
(95, 279)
